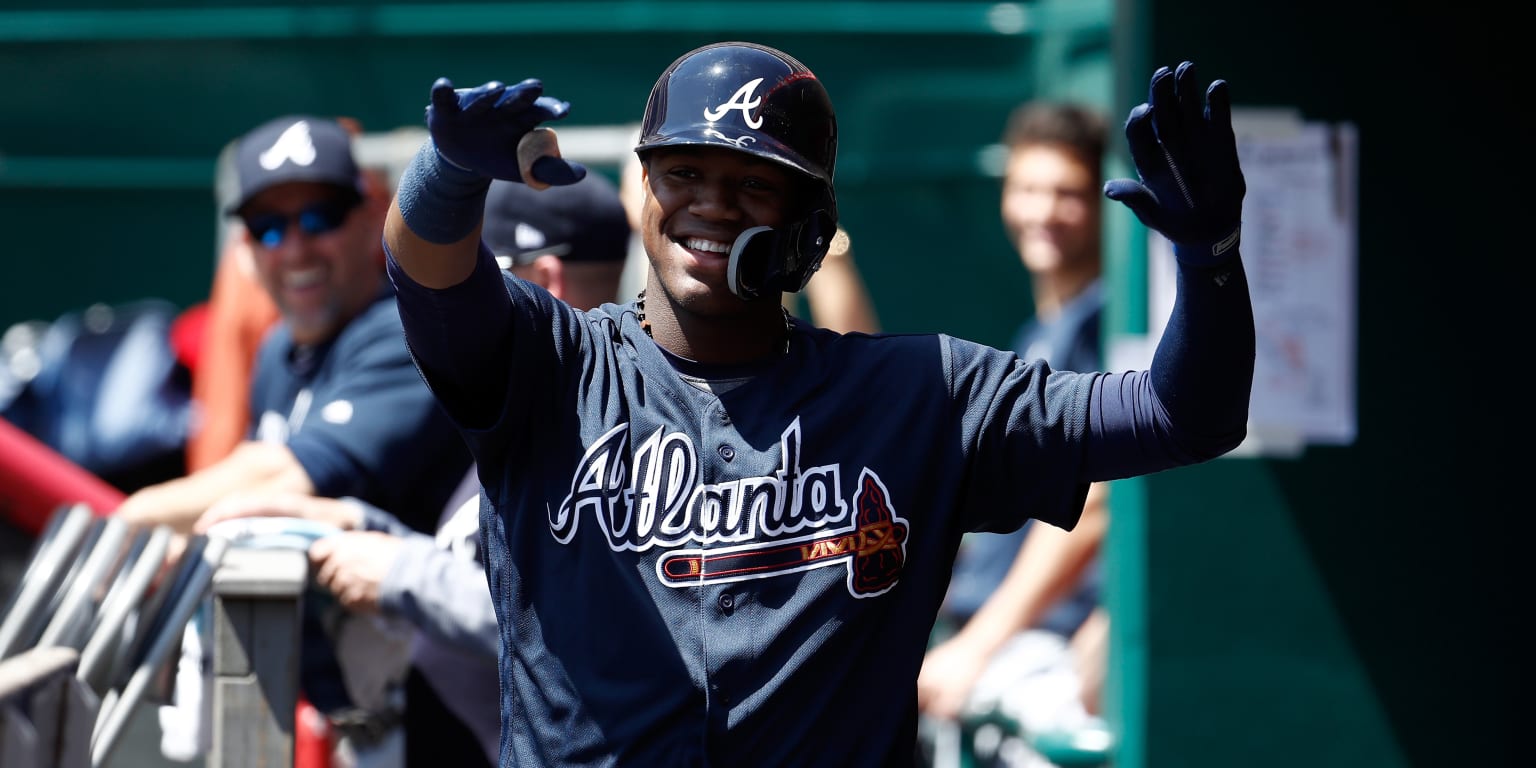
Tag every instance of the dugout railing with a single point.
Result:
(88, 630)
(93, 625)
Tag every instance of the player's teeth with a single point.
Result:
(303, 279)
(698, 244)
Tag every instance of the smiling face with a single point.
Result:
(697, 200)
(321, 280)
(1050, 207)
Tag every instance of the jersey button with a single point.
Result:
(727, 452)
(727, 602)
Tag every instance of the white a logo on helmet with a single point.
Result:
(742, 99)
(295, 145)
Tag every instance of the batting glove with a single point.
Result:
(477, 129)
(1191, 187)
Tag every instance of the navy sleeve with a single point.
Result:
(1025, 426)
(489, 341)
(1192, 405)
(452, 332)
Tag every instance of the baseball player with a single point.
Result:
(715, 534)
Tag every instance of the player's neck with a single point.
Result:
(716, 340)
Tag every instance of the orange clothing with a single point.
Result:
(239, 315)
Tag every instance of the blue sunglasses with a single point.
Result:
(270, 229)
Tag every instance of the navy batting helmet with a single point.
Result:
(755, 99)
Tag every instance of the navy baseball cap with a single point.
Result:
(294, 148)
(584, 221)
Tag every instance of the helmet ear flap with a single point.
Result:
(752, 261)
(813, 240)
(767, 261)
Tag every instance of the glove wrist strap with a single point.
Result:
(1210, 254)
(441, 202)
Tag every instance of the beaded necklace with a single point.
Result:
(789, 325)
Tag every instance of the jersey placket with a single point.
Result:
(724, 621)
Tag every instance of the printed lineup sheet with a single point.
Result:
(1299, 247)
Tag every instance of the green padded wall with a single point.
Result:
(1350, 607)
(114, 118)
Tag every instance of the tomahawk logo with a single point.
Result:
(742, 99)
(796, 519)
(295, 145)
(873, 549)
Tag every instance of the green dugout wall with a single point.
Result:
(1351, 606)
(1340, 608)
(115, 112)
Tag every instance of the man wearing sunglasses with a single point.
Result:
(337, 407)
(573, 241)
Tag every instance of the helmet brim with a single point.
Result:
(762, 145)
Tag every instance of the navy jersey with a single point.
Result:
(1070, 341)
(742, 576)
(358, 418)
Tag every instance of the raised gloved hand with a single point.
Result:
(478, 129)
(1191, 187)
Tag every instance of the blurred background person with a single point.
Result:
(1016, 600)
(337, 406)
(235, 318)
(571, 240)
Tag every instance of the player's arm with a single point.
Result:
(444, 594)
(452, 301)
(1049, 563)
(433, 228)
(252, 466)
(410, 577)
(429, 264)
(1090, 658)
(380, 564)
(344, 514)
(1192, 405)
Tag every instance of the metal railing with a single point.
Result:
(98, 614)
